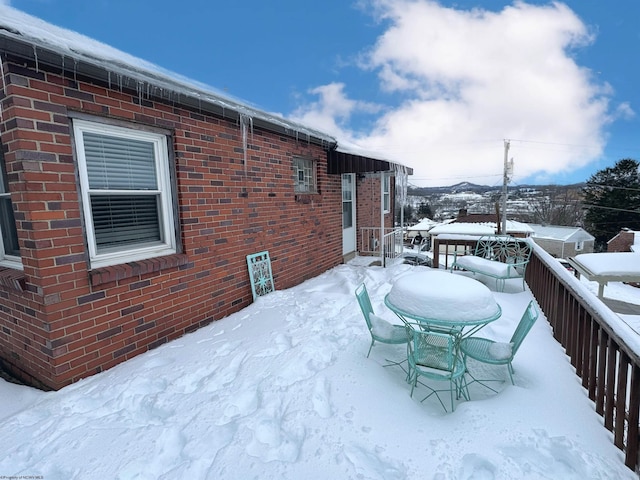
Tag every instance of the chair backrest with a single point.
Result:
(365, 303)
(529, 317)
(433, 349)
(260, 274)
(503, 248)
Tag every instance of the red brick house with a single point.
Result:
(130, 200)
(625, 241)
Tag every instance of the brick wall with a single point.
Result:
(368, 201)
(621, 242)
(60, 321)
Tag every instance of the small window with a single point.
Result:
(126, 193)
(579, 246)
(386, 194)
(305, 175)
(9, 249)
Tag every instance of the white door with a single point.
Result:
(348, 213)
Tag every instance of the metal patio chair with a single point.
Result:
(434, 356)
(499, 353)
(380, 329)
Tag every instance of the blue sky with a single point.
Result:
(437, 86)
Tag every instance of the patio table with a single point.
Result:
(440, 300)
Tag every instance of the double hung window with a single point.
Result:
(10, 251)
(126, 192)
(386, 193)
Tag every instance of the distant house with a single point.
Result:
(130, 199)
(562, 241)
(625, 241)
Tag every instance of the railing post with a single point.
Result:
(631, 457)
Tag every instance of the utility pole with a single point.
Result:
(505, 180)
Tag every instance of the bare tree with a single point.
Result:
(560, 206)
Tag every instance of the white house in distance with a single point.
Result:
(561, 241)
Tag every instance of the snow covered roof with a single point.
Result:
(463, 229)
(423, 225)
(558, 232)
(27, 36)
(490, 221)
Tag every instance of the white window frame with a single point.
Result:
(7, 260)
(579, 246)
(386, 194)
(128, 253)
(304, 170)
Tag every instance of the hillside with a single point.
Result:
(554, 204)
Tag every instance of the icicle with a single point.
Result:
(245, 120)
(402, 180)
(109, 79)
(75, 70)
(62, 66)
(140, 91)
(35, 56)
(2, 71)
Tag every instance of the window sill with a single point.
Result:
(102, 275)
(13, 279)
(306, 197)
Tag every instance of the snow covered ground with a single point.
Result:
(283, 390)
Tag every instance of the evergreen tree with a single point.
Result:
(612, 201)
(424, 210)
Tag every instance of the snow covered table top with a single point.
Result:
(442, 298)
(607, 267)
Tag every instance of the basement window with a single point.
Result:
(305, 175)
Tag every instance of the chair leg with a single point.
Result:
(476, 380)
(391, 363)
(370, 347)
(510, 367)
(413, 384)
(453, 408)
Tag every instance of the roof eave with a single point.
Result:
(81, 65)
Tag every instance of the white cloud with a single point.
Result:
(469, 79)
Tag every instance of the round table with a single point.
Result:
(442, 299)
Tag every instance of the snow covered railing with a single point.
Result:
(447, 246)
(604, 350)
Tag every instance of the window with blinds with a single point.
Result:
(126, 193)
(10, 250)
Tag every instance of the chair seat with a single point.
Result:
(437, 374)
(384, 331)
(487, 351)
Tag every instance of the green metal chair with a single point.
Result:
(499, 353)
(433, 355)
(380, 329)
(260, 274)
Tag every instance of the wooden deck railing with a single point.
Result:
(602, 348)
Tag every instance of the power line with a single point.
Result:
(615, 187)
(611, 208)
